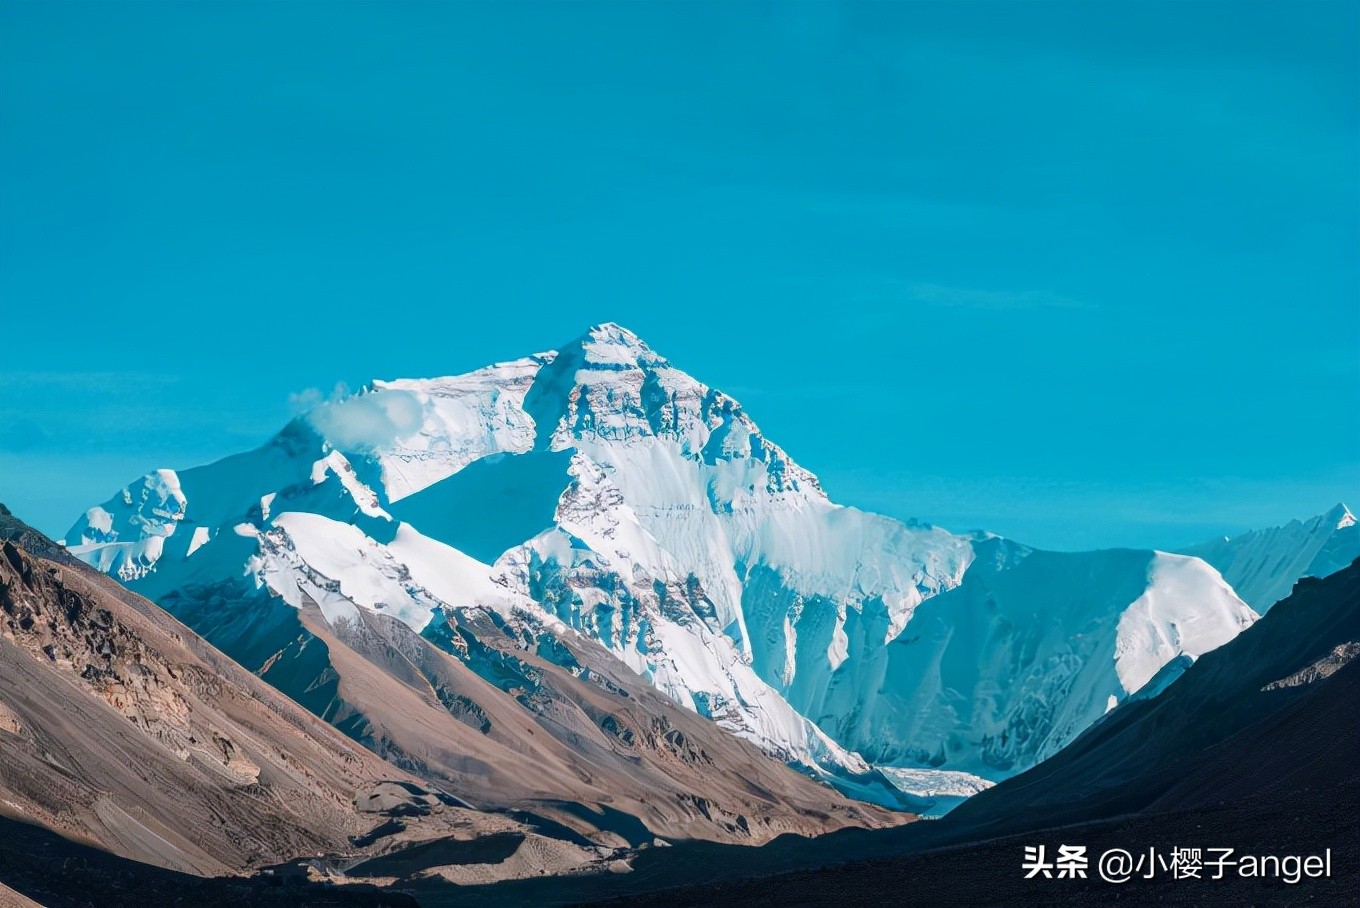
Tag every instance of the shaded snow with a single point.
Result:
(1263, 565)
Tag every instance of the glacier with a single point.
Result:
(598, 493)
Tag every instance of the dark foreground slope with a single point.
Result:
(1244, 721)
(1256, 748)
(41, 866)
(1273, 811)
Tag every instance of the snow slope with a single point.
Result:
(1001, 672)
(1263, 565)
(597, 492)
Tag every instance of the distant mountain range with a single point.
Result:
(568, 523)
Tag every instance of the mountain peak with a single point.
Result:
(1341, 515)
(613, 330)
(611, 343)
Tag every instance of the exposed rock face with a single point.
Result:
(1325, 667)
(84, 640)
(118, 726)
(9, 721)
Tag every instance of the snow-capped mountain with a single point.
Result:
(598, 493)
(1004, 670)
(1264, 565)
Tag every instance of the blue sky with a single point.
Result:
(1081, 273)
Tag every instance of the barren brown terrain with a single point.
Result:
(124, 733)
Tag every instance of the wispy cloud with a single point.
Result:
(360, 421)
